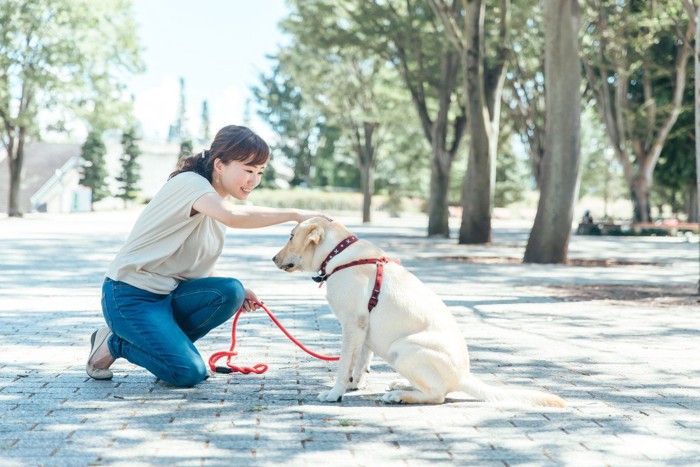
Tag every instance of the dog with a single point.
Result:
(404, 322)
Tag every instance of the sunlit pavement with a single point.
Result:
(630, 371)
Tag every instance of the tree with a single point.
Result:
(283, 106)
(601, 173)
(549, 237)
(349, 86)
(484, 75)
(511, 175)
(523, 93)
(94, 171)
(186, 148)
(632, 50)
(406, 35)
(206, 124)
(674, 175)
(129, 176)
(694, 13)
(65, 56)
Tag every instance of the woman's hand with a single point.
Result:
(251, 302)
(303, 214)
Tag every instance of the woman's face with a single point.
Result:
(237, 179)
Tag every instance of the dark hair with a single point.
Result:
(231, 143)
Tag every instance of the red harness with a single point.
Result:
(380, 262)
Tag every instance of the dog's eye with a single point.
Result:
(291, 236)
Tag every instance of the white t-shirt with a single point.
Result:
(167, 245)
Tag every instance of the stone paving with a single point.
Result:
(630, 371)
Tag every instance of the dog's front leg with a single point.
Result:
(359, 374)
(353, 340)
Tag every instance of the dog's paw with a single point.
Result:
(330, 396)
(355, 385)
(392, 397)
(401, 385)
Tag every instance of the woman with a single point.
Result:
(161, 292)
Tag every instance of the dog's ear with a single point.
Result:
(314, 235)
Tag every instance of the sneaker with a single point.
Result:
(97, 340)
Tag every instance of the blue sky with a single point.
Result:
(217, 46)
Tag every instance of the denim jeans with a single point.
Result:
(157, 332)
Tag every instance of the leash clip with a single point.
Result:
(320, 278)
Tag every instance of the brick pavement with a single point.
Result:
(629, 371)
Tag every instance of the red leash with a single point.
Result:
(260, 368)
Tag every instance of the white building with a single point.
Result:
(51, 172)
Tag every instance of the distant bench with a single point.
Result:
(637, 228)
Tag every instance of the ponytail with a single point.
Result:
(200, 163)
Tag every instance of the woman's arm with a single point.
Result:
(248, 217)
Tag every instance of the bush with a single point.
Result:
(321, 200)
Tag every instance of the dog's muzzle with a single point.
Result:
(284, 267)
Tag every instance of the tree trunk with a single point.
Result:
(436, 132)
(697, 118)
(365, 153)
(16, 165)
(549, 238)
(696, 211)
(691, 203)
(367, 182)
(438, 216)
(640, 196)
(479, 181)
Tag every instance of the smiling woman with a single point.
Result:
(160, 294)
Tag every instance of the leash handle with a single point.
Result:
(260, 368)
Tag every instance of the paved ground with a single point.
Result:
(629, 370)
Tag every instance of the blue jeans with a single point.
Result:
(157, 332)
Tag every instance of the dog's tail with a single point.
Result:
(477, 388)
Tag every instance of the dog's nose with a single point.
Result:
(274, 258)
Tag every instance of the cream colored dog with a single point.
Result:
(410, 327)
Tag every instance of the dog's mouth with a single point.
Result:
(287, 263)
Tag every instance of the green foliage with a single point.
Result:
(63, 59)
(511, 177)
(186, 148)
(43, 42)
(600, 174)
(129, 176)
(205, 136)
(304, 137)
(674, 175)
(94, 171)
(523, 93)
(635, 56)
(326, 201)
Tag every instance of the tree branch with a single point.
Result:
(454, 33)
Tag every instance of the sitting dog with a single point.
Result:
(386, 310)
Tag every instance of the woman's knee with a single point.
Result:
(233, 292)
(189, 374)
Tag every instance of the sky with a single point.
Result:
(219, 47)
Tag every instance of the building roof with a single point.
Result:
(41, 160)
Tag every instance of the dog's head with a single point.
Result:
(298, 254)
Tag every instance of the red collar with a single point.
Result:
(322, 276)
(380, 262)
